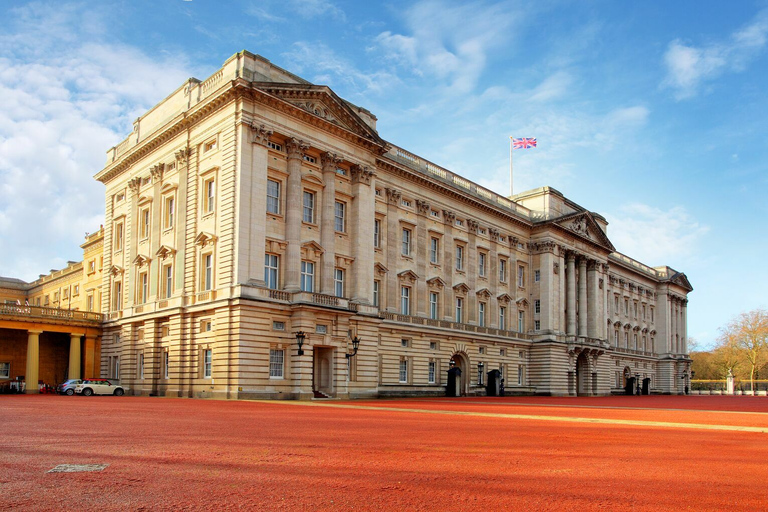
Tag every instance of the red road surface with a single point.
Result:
(507, 453)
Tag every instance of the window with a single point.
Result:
(5, 370)
(307, 276)
(459, 257)
(321, 329)
(376, 286)
(431, 377)
(626, 307)
(309, 207)
(521, 276)
(278, 326)
(537, 306)
(209, 146)
(433, 303)
(481, 314)
(459, 309)
(207, 363)
(616, 304)
(520, 375)
(537, 275)
(119, 236)
(207, 283)
(276, 363)
(273, 196)
(521, 321)
(626, 340)
(406, 250)
(651, 314)
(144, 223)
(141, 366)
(503, 318)
(406, 202)
(377, 233)
(120, 196)
(404, 342)
(167, 281)
(117, 300)
(76, 290)
(481, 350)
(271, 271)
(644, 316)
(89, 302)
(616, 338)
(338, 217)
(143, 288)
(634, 309)
(338, 282)
(403, 370)
(274, 145)
(166, 364)
(432, 345)
(114, 367)
(502, 352)
(481, 264)
(480, 368)
(537, 325)
(310, 159)
(434, 250)
(209, 200)
(92, 266)
(405, 300)
(503, 271)
(634, 340)
(168, 211)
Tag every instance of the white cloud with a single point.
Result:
(655, 236)
(309, 9)
(553, 87)
(66, 100)
(688, 66)
(449, 41)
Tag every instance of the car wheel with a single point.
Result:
(87, 391)
(69, 392)
(119, 392)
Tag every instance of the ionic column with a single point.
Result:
(684, 322)
(33, 362)
(546, 287)
(593, 299)
(570, 278)
(583, 309)
(361, 217)
(293, 214)
(393, 247)
(74, 356)
(449, 218)
(329, 162)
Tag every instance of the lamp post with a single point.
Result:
(637, 383)
(300, 337)
(480, 367)
(355, 345)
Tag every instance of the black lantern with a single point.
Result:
(355, 346)
(452, 363)
(300, 337)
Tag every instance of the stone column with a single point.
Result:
(571, 294)
(74, 356)
(493, 281)
(422, 256)
(583, 308)
(471, 269)
(329, 163)
(606, 303)
(546, 288)
(91, 369)
(673, 324)
(449, 218)
(293, 214)
(252, 187)
(593, 299)
(131, 236)
(684, 323)
(393, 249)
(33, 362)
(361, 217)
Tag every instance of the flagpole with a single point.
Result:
(511, 187)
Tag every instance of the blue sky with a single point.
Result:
(651, 113)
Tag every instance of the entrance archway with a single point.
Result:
(582, 375)
(461, 361)
(322, 375)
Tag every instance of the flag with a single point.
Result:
(524, 143)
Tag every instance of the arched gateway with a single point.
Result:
(458, 381)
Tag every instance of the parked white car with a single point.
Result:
(99, 387)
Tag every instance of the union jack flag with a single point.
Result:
(524, 143)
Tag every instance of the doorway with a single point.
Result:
(582, 375)
(322, 373)
(460, 378)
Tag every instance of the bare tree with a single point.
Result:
(747, 334)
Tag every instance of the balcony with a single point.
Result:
(455, 326)
(50, 315)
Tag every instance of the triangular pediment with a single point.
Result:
(141, 260)
(205, 238)
(408, 275)
(311, 250)
(321, 102)
(504, 298)
(115, 270)
(380, 269)
(522, 303)
(164, 251)
(461, 288)
(681, 279)
(583, 225)
(484, 293)
(436, 281)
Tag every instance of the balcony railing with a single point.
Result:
(456, 326)
(38, 312)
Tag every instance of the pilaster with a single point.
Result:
(293, 215)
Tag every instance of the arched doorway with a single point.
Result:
(582, 375)
(628, 381)
(461, 361)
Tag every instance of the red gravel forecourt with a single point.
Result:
(512, 453)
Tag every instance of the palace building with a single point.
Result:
(254, 210)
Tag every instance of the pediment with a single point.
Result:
(115, 270)
(320, 101)
(141, 260)
(522, 303)
(583, 225)
(485, 293)
(380, 269)
(164, 251)
(311, 250)
(681, 280)
(504, 298)
(436, 281)
(461, 288)
(408, 275)
(204, 238)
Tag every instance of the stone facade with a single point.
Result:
(254, 205)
